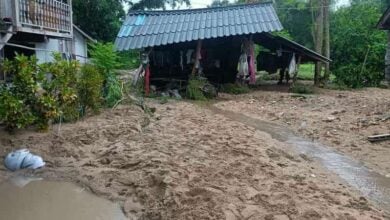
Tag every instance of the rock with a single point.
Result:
(330, 119)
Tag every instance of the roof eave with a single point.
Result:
(84, 34)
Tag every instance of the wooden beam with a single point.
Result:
(377, 138)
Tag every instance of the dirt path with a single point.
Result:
(188, 163)
(340, 119)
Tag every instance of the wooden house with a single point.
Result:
(40, 27)
(218, 43)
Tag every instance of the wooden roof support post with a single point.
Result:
(197, 56)
(146, 63)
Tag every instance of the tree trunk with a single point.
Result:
(326, 39)
(387, 59)
(319, 40)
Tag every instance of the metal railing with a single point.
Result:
(50, 15)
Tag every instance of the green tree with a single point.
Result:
(100, 18)
(219, 3)
(357, 47)
(156, 4)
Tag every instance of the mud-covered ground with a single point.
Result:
(186, 162)
(339, 119)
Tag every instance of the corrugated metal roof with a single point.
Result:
(143, 29)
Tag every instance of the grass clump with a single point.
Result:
(195, 89)
(235, 89)
(302, 89)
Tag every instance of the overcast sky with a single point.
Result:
(205, 3)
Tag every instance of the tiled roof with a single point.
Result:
(143, 29)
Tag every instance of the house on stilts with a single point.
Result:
(40, 27)
(220, 43)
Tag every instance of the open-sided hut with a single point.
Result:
(218, 42)
(384, 24)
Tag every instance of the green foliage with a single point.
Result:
(27, 97)
(195, 89)
(13, 112)
(114, 90)
(302, 89)
(90, 84)
(235, 89)
(106, 59)
(62, 85)
(357, 47)
(157, 4)
(129, 59)
(99, 18)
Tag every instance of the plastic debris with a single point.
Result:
(23, 159)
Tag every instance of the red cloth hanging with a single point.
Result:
(147, 80)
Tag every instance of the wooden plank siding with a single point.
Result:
(48, 17)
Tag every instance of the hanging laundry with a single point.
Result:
(293, 65)
(243, 69)
(252, 67)
(189, 55)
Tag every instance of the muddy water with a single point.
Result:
(374, 186)
(23, 198)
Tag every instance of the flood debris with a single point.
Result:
(378, 138)
(23, 159)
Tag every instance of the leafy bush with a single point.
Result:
(90, 86)
(27, 89)
(113, 90)
(61, 83)
(13, 112)
(195, 89)
(235, 89)
(106, 59)
(357, 47)
(129, 59)
(355, 77)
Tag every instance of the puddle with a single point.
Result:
(372, 185)
(31, 199)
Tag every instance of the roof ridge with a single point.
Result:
(244, 5)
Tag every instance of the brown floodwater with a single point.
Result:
(372, 185)
(24, 198)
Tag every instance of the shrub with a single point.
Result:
(28, 81)
(13, 112)
(195, 89)
(357, 46)
(235, 89)
(106, 59)
(61, 83)
(90, 86)
(113, 90)
(355, 77)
